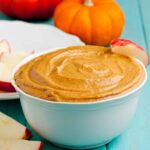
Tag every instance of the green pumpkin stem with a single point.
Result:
(88, 3)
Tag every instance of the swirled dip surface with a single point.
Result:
(79, 74)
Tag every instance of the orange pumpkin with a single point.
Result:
(94, 21)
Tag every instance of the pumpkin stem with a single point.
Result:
(88, 3)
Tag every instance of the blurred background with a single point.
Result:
(136, 25)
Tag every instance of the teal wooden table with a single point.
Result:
(137, 136)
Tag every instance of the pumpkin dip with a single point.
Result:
(79, 74)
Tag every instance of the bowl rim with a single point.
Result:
(109, 99)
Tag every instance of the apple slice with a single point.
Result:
(7, 64)
(6, 86)
(4, 48)
(8, 60)
(129, 48)
(11, 129)
(14, 57)
(20, 145)
(5, 76)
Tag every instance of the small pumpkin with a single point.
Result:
(94, 21)
(29, 9)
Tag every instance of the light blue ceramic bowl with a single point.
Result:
(79, 125)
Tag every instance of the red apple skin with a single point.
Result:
(123, 42)
(41, 146)
(28, 134)
(6, 86)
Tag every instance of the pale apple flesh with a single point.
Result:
(4, 48)
(20, 145)
(8, 60)
(124, 42)
(11, 129)
(129, 48)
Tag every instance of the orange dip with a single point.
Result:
(79, 74)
